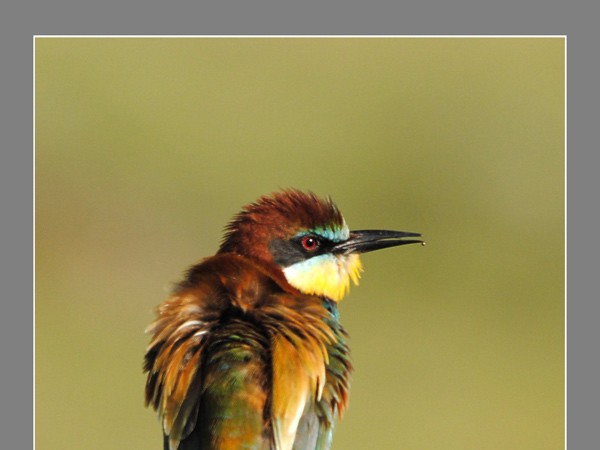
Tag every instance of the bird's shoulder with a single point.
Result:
(229, 317)
(230, 280)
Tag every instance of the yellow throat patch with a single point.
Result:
(325, 275)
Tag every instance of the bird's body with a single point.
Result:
(249, 353)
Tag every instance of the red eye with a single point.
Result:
(310, 243)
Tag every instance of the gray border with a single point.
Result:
(16, 231)
(20, 21)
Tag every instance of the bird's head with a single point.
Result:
(307, 238)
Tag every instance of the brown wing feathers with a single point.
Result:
(239, 346)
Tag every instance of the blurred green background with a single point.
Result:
(145, 148)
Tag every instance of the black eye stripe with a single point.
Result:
(323, 245)
(288, 252)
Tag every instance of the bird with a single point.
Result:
(248, 352)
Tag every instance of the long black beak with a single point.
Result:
(363, 241)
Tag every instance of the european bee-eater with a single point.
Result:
(248, 352)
